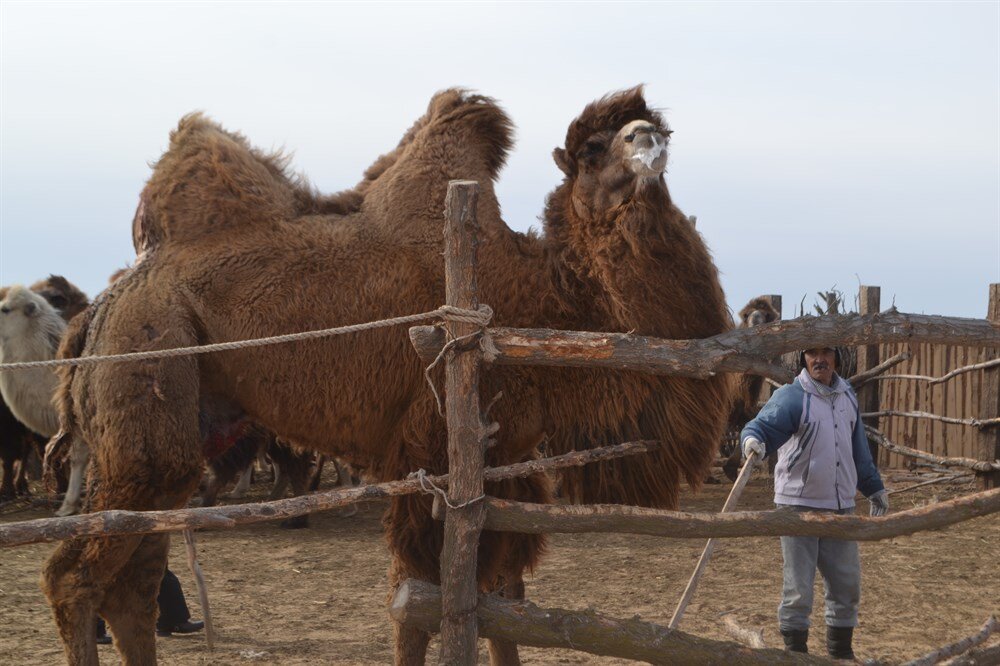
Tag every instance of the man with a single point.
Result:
(815, 424)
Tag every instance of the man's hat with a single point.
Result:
(837, 357)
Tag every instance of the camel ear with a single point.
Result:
(562, 161)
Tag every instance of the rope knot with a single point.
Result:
(431, 488)
(481, 316)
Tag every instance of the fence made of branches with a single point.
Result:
(457, 609)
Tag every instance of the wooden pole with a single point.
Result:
(869, 303)
(199, 581)
(706, 554)
(459, 589)
(739, 350)
(108, 523)
(511, 516)
(989, 401)
(418, 604)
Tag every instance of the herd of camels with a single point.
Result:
(231, 245)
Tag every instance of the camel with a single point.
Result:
(17, 441)
(231, 247)
(757, 312)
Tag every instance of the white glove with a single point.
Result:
(753, 445)
(879, 504)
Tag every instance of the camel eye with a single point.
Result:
(592, 148)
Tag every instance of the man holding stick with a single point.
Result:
(815, 424)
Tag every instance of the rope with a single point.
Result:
(480, 317)
(432, 488)
(486, 344)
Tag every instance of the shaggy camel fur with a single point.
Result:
(17, 441)
(232, 247)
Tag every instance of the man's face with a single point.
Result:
(820, 364)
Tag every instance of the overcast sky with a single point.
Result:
(819, 144)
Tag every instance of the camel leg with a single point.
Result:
(410, 644)
(130, 606)
(7, 485)
(79, 455)
(243, 484)
(73, 581)
(504, 653)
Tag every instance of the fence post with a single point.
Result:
(989, 401)
(459, 591)
(869, 302)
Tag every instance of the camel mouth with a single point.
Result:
(649, 157)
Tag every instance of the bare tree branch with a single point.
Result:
(740, 350)
(969, 463)
(129, 522)
(418, 604)
(943, 378)
(978, 423)
(510, 516)
(862, 378)
(958, 647)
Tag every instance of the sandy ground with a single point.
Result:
(318, 596)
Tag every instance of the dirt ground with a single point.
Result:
(318, 596)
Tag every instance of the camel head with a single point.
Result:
(616, 146)
(20, 310)
(62, 295)
(757, 312)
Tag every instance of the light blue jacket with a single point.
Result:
(823, 452)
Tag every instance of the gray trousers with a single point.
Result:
(839, 564)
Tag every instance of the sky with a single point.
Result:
(819, 144)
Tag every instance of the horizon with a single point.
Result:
(820, 146)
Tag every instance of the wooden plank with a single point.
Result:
(869, 302)
(459, 589)
(989, 401)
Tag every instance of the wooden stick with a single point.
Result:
(464, 520)
(510, 516)
(978, 423)
(862, 378)
(988, 656)
(943, 378)
(883, 441)
(105, 523)
(958, 647)
(706, 554)
(739, 350)
(418, 604)
(754, 639)
(954, 477)
(199, 581)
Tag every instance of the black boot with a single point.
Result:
(838, 642)
(796, 640)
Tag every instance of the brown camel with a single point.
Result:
(757, 312)
(231, 247)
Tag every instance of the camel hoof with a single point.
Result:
(67, 511)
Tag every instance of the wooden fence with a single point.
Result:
(457, 608)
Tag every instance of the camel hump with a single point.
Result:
(211, 179)
(489, 127)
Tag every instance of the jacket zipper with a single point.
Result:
(836, 454)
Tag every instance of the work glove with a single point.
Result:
(879, 504)
(753, 445)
